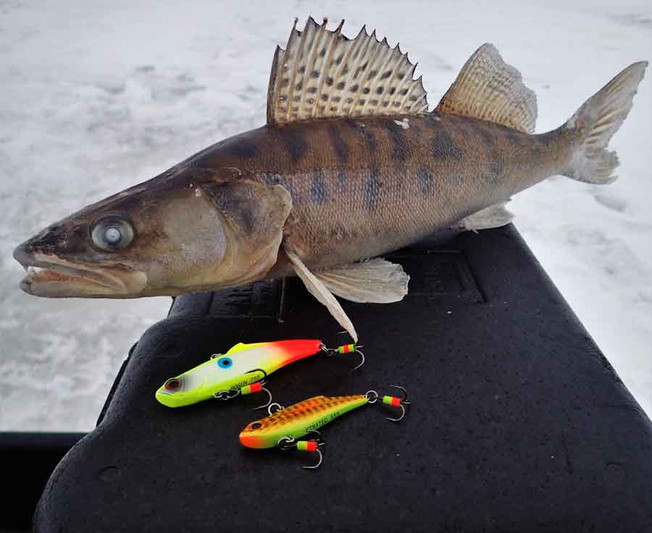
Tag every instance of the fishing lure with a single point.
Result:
(242, 370)
(285, 426)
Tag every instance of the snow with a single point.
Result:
(99, 95)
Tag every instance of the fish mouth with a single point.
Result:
(54, 277)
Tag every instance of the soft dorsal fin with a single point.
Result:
(489, 89)
(323, 74)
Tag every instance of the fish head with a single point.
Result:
(186, 233)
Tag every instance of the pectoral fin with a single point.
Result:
(494, 216)
(373, 281)
(319, 291)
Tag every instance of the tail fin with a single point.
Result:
(596, 122)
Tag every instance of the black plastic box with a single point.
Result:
(518, 422)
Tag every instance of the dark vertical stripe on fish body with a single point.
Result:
(425, 180)
(492, 168)
(372, 191)
(339, 144)
(444, 147)
(318, 191)
(341, 181)
(399, 141)
(372, 184)
(515, 137)
(295, 144)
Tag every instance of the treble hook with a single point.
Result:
(258, 387)
(269, 398)
(400, 417)
(403, 401)
(321, 459)
(315, 435)
(309, 445)
(362, 360)
(344, 349)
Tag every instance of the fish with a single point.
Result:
(350, 165)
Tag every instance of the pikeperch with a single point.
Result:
(350, 165)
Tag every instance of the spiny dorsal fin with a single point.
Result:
(323, 74)
(489, 89)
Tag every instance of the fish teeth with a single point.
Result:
(33, 270)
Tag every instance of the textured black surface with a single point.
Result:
(518, 422)
(26, 462)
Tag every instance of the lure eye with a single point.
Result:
(225, 362)
(173, 385)
(112, 233)
(256, 425)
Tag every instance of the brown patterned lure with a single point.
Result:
(285, 426)
(298, 420)
(350, 165)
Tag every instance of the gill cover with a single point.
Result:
(255, 214)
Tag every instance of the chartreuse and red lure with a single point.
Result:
(242, 370)
(284, 427)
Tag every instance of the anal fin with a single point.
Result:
(323, 295)
(372, 281)
(494, 216)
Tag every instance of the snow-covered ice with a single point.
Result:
(99, 95)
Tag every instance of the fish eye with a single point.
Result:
(112, 233)
(225, 362)
(256, 425)
(172, 385)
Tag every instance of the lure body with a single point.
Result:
(298, 420)
(241, 366)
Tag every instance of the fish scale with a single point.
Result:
(387, 193)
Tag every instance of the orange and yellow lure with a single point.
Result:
(285, 426)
